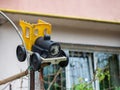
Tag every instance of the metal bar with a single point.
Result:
(54, 60)
(32, 80)
(41, 79)
(10, 87)
(15, 27)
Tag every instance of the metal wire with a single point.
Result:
(15, 27)
(18, 32)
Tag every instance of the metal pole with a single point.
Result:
(32, 80)
(41, 79)
(10, 87)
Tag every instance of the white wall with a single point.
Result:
(9, 65)
(87, 37)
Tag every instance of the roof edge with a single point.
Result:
(59, 16)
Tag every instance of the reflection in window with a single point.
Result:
(109, 63)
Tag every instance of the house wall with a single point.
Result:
(96, 9)
(9, 41)
(9, 65)
(86, 36)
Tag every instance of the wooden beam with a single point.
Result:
(14, 77)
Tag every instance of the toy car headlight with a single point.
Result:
(54, 50)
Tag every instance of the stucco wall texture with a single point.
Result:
(96, 9)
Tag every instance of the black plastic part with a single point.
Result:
(35, 61)
(63, 63)
(21, 53)
(43, 53)
(43, 46)
(47, 37)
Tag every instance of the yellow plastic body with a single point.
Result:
(31, 32)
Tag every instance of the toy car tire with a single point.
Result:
(35, 61)
(21, 53)
(63, 63)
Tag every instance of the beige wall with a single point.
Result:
(87, 37)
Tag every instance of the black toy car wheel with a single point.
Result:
(21, 53)
(35, 61)
(64, 63)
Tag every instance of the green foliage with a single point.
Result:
(117, 88)
(82, 86)
(56, 85)
(100, 75)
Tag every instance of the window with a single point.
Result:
(50, 72)
(109, 64)
(95, 71)
(77, 69)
